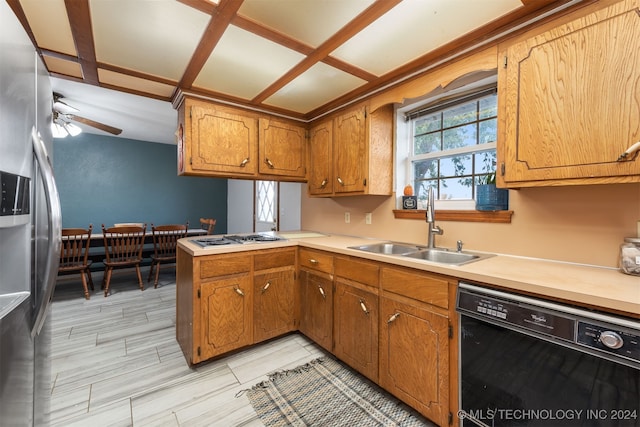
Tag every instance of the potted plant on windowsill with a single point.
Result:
(489, 197)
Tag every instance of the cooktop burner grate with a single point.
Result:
(235, 239)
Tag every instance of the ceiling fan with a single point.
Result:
(64, 113)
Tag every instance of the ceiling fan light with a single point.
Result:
(73, 130)
(58, 131)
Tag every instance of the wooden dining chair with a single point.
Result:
(74, 255)
(165, 242)
(208, 224)
(122, 248)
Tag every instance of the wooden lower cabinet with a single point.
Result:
(273, 304)
(356, 328)
(316, 307)
(414, 357)
(226, 316)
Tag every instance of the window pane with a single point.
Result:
(427, 143)
(427, 124)
(462, 136)
(488, 131)
(465, 113)
(425, 169)
(485, 162)
(422, 190)
(488, 107)
(456, 166)
(456, 189)
(465, 129)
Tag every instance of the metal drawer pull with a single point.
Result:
(364, 307)
(314, 261)
(265, 287)
(269, 163)
(322, 292)
(324, 183)
(239, 291)
(244, 162)
(393, 318)
(341, 181)
(630, 152)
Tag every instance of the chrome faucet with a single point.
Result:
(433, 229)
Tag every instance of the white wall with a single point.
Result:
(239, 206)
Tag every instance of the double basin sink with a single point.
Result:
(437, 255)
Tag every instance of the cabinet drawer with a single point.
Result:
(316, 260)
(221, 265)
(359, 271)
(422, 287)
(274, 259)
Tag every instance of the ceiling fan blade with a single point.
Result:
(97, 125)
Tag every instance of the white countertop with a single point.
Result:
(599, 287)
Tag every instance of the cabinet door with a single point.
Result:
(316, 308)
(282, 149)
(350, 152)
(226, 310)
(414, 357)
(569, 101)
(222, 141)
(355, 324)
(273, 304)
(321, 159)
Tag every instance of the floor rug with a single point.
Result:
(325, 393)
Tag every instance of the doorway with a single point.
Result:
(266, 206)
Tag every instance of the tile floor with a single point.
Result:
(116, 362)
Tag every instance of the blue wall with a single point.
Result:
(102, 179)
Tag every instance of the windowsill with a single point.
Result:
(448, 215)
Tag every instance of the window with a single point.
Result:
(450, 147)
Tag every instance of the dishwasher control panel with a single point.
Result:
(609, 338)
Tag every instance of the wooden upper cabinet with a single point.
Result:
(218, 140)
(221, 141)
(352, 154)
(321, 154)
(569, 100)
(282, 147)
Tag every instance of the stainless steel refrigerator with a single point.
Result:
(30, 223)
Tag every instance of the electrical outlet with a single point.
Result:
(347, 217)
(367, 218)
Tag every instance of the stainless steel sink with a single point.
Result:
(444, 256)
(389, 248)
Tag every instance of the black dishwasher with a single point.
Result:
(530, 362)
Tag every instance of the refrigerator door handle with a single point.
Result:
(55, 229)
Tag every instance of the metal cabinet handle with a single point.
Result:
(324, 183)
(324, 296)
(265, 287)
(238, 291)
(631, 151)
(269, 163)
(244, 162)
(393, 318)
(364, 307)
(340, 181)
(314, 261)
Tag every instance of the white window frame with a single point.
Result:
(404, 146)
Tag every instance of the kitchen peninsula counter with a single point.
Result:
(591, 286)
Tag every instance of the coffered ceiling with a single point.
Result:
(296, 58)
